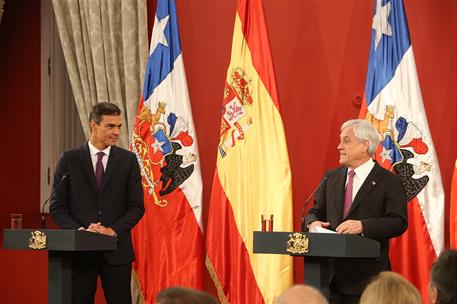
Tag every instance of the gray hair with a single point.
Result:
(364, 130)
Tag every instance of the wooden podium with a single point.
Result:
(59, 244)
(321, 247)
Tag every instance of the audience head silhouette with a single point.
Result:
(302, 294)
(443, 282)
(390, 288)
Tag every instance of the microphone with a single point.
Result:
(308, 200)
(43, 220)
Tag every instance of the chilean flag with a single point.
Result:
(393, 104)
(168, 240)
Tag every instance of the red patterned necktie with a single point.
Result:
(99, 171)
(348, 193)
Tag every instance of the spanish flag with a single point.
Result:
(252, 176)
(453, 212)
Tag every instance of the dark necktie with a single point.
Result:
(99, 171)
(348, 193)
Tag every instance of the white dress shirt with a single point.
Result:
(361, 173)
(93, 155)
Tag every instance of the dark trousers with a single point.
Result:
(337, 297)
(342, 299)
(87, 266)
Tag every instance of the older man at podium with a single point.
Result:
(359, 198)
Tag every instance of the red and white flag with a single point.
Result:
(393, 104)
(168, 240)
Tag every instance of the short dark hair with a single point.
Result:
(444, 277)
(103, 108)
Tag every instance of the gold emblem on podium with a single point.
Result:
(38, 240)
(297, 243)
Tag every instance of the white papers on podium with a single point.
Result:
(317, 229)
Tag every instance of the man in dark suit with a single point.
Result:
(101, 193)
(359, 198)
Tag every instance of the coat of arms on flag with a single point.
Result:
(235, 119)
(161, 146)
(402, 148)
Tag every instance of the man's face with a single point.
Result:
(107, 132)
(353, 152)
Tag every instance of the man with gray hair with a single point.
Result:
(359, 198)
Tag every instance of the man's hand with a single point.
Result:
(350, 227)
(318, 224)
(99, 228)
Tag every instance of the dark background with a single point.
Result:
(320, 53)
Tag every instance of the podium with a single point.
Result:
(59, 244)
(321, 247)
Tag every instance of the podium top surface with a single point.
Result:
(320, 244)
(59, 240)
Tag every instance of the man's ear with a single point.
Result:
(92, 125)
(365, 146)
(433, 295)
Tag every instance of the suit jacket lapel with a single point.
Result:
(111, 166)
(84, 155)
(366, 187)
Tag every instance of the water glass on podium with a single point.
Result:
(267, 224)
(16, 221)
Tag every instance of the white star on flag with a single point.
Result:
(157, 145)
(385, 154)
(380, 23)
(158, 35)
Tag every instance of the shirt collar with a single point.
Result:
(363, 170)
(93, 150)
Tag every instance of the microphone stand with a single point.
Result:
(307, 202)
(43, 219)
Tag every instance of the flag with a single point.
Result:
(168, 240)
(453, 211)
(252, 176)
(393, 104)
